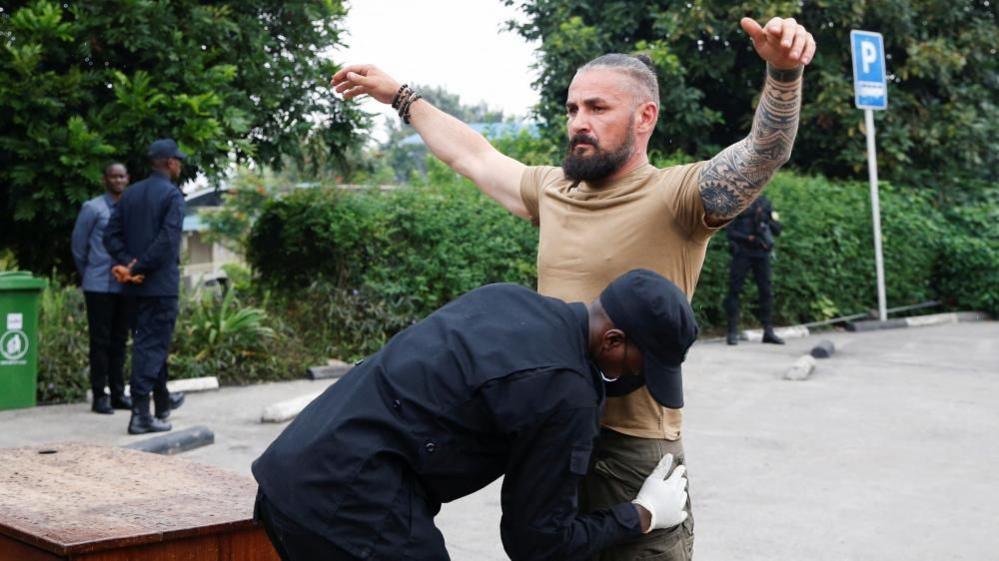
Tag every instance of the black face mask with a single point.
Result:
(625, 383)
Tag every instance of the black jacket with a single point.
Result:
(497, 382)
(756, 221)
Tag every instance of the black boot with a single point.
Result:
(732, 338)
(141, 421)
(102, 405)
(770, 337)
(121, 402)
(165, 403)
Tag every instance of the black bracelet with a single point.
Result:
(788, 75)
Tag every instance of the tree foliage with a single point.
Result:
(941, 128)
(85, 82)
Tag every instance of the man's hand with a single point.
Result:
(361, 79)
(120, 273)
(783, 43)
(123, 274)
(663, 498)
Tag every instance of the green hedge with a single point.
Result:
(355, 267)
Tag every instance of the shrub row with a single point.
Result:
(355, 267)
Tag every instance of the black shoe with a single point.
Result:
(102, 405)
(121, 402)
(770, 337)
(176, 400)
(732, 339)
(141, 423)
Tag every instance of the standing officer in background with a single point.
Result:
(751, 238)
(143, 237)
(607, 210)
(107, 313)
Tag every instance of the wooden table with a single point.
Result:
(98, 503)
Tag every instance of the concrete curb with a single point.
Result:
(789, 332)
(801, 369)
(916, 321)
(327, 372)
(176, 442)
(824, 349)
(187, 385)
(286, 410)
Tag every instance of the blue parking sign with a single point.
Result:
(870, 88)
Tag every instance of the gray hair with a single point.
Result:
(639, 68)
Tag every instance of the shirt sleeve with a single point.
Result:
(167, 241)
(80, 240)
(682, 195)
(532, 183)
(540, 506)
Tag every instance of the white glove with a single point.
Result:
(664, 498)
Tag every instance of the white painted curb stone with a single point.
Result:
(801, 368)
(286, 410)
(190, 385)
(790, 332)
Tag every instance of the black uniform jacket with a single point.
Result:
(757, 221)
(496, 382)
(146, 226)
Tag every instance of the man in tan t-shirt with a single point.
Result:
(606, 210)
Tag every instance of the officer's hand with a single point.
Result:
(664, 498)
(120, 273)
(781, 42)
(361, 79)
(137, 279)
(752, 237)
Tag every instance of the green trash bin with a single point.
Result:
(19, 298)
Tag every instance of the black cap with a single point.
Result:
(165, 148)
(655, 315)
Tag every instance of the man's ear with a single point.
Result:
(613, 338)
(647, 117)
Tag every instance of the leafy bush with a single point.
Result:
(63, 345)
(216, 335)
(354, 268)
(968, 270)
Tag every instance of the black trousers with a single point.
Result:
(742, 263)
(291, 541)
(107, 326)
(152, 330)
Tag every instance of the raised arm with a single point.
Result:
(453, 142)
(731, 180)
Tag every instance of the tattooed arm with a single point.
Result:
(730, 181)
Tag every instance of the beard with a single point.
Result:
(599, 165)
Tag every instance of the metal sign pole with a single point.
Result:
(872, 169)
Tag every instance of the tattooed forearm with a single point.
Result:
(733, 178)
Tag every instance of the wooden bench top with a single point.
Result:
(75, 498)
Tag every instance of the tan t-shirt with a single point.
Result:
(652, 219)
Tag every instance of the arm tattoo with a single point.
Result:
(730, 181)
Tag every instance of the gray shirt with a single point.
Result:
(92, 260)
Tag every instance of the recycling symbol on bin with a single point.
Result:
(13, 345)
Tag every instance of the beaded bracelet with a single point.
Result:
(404, 112)
(399, 95)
